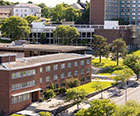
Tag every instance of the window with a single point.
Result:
(23, 74)
(88, 61)
(69, 74)
(76, 73)
(88, 70)
(23, 85)
(48, 68)
(62, 75)
(62, 66)
(40, 80)
(82, 71)
(75, 63)
(20, 98)
(55, 77)
(82, 79)
(88, 78)
(55, 67)
(41, 70)
(82, 62)
(63, 84)
(47, 79)
(69, 65)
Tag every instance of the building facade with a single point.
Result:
(25, 80)
(128, 10)
(23, 10)
(6, 11)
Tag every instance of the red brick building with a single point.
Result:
(23, 81)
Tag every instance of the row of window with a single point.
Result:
(20, 98)
(23, 74)
(23, 85)
(63, 75)
(63, 66)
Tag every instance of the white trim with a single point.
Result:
(14, 95)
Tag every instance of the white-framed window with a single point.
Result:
(62, 75)
(82, 71)
(75, 72)
(55, 77)
(63, 66)
(69, 74)
(48, 68)
(69, 65)
(82, 62)
(41, 69)
(41, 80)
(47, 79)
(88, 61)
(55, 67)
(75, 63)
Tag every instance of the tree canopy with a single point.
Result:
(31, 18)
(64, 34)
(15, 27)
(46, 12)
(100, 46)
(119, 49)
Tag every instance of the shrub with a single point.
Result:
(49, 94)
(62, 90)
(44, 114)
(73, 82)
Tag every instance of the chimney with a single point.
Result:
(7, 58)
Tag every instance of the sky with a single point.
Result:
(49, 3)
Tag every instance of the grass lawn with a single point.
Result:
(89, 88)
(137, 53)
(105, 63)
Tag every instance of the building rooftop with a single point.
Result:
(39, 60)
(8, 6)
(40, 47)
(27, 5)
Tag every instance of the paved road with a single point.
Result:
(133, 93)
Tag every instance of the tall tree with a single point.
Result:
(100, 46)
(67, 34)
(43, 38)
(76, 95)
(119, 49)
(45, 12)
(16, 27)
(132, 61)
(31, 18)
(42, 5)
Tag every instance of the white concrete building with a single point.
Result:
(23, 10)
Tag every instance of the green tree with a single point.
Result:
(72, 82)
(84, 18)
(99, 108)
(67, 34)
(131, 108)
(44, 114)
(16, 27)
(76, 96)
(137, 69)
(45, 12)
(71, 14)
(43, 38)
(100, 46)
(58, 12)
(31, 18)
(16, 115)
(30, 2)
(42, 5)
(119, 49)
(49, 94)
(132, 62)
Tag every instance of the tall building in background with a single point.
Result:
(130, 11)
(101, 10)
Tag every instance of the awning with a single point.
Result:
(31, 91)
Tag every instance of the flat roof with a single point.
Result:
(39, 60)
(40, 47)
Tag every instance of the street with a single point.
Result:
(133, 93)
